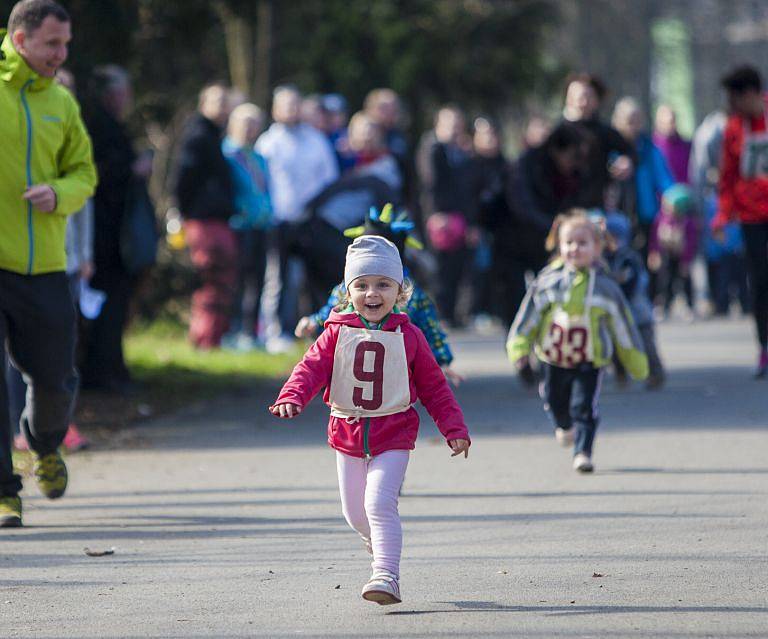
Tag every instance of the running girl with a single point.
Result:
(374, 364)
(574, 316)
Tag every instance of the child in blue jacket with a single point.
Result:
(420, 308)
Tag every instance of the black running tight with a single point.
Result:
(756, 243)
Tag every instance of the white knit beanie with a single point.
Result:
(372, 255)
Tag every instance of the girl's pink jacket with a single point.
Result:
(393, 432)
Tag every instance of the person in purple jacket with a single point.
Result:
(672, 246)
(675, 149)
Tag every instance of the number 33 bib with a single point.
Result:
(370, 374)
(568, 342)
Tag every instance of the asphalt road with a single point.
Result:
(226, 522)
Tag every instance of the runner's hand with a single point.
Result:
(286, 411)
(42, 197)
(305, 328)
(452, 376)
(459, 446)
(522, 362)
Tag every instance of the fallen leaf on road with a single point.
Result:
(338, 587)
(99, 553)
(597, 574)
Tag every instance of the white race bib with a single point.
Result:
(568, 342)
(370, 374)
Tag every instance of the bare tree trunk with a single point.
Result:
(262, 79)
(238, 34)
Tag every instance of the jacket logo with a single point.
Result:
(51, 118)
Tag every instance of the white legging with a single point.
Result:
(369, 492)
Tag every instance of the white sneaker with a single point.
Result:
(383, 588)
(564, 437)
(582, 463)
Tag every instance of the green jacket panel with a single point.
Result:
(44, 141)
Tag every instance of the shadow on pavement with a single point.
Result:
(574, 609)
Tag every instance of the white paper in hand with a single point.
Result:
(91, 300)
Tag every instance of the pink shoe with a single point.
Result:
(73, 440)
(20, 442)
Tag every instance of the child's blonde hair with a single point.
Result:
(575, 218)
(406, 290)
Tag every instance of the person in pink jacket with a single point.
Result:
(374, 365)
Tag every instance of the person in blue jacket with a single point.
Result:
(641, 200)
(251, 222)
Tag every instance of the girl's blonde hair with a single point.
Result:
(406, 290)
(575, 218)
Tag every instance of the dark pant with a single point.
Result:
(674, 275)
(727, 280)
(37, 326)
(451, 268)
(17, 387)
(570, 398)
(642, 236)
(104, 362)
(756, 244)
(648, 335)
(251, 268)
(17, 396)
(512, 262)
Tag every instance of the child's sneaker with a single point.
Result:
(10, 512)
(564, 437)
(74, 440)
(762, 365)
(51, 474)
(582, 463)
(383, 588)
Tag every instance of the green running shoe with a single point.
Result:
(10, 512)
(51, 475)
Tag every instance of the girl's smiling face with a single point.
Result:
(373, 296)
(578, 247)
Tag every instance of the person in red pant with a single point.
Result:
(744, 188)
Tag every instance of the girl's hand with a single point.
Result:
(305, 328)
(286, 411)
(459, 446)
(452, 376)
(522, 362)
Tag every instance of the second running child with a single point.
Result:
(574, 316)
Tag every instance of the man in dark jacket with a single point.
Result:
(104, 366)
(607, 155)
(546, 181)
(204, 189)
